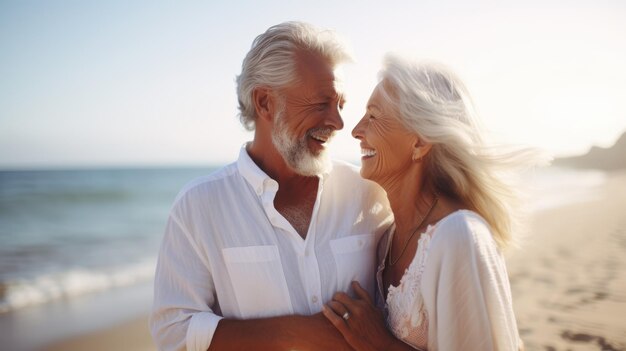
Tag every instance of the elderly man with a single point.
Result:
(253, 251)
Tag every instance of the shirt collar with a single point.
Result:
(251, 172)
(255, 176)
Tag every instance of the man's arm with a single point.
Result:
(182, 320)
(278, 333)
(183, 291)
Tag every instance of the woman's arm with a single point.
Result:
(466, 289)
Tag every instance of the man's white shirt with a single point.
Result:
(227, 251)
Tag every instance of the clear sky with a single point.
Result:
(133, 83)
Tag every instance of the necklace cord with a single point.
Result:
(406, 244)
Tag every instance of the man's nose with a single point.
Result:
(334, 120)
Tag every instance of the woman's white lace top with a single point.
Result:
(455, 294)
(407, 317)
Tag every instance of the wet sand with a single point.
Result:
(132, 336)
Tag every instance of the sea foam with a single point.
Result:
(65, 285)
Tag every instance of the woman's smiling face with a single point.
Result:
(386, 144)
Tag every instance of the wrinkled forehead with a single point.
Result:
(376, 99)
(313, 68)
(382, 101)
(388, 89)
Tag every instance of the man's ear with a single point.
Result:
(263, 100)
(420, 149)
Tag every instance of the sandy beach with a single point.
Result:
(132, 335)
(568, 281)
(569, 278)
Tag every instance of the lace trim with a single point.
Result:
(405, 303)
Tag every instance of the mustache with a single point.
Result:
(321, 132)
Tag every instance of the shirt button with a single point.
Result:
(314, 299)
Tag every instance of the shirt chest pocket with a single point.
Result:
(355, 258)
(258, 280)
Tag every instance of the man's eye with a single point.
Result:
(321, 107)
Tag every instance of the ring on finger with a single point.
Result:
(346, 316)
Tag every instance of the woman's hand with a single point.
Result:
(359, 321)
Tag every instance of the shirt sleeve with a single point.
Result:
(181, 318)
(466, 289)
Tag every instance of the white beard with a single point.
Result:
(296, 152)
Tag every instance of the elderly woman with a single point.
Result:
(442, 280)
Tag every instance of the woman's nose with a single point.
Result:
(357, 131)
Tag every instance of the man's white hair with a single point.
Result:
(271, 60)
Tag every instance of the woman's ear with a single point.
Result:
(263, 100)
(420, 149)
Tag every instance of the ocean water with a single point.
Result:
(552, 187)
(66, 234)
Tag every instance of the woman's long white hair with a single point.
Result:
(434, 103)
